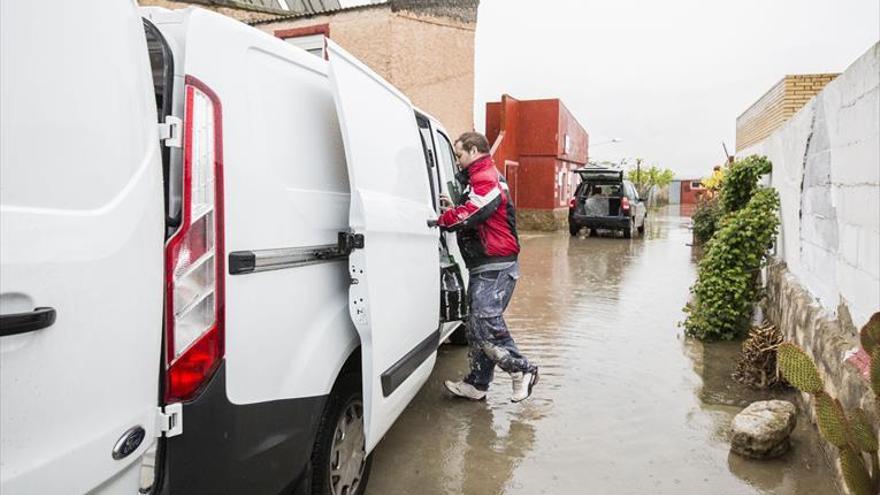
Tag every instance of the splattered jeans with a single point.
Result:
(489, 340)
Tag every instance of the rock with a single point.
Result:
(761, 431)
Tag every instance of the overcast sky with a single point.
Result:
(668, 78)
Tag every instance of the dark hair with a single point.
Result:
(476, 140)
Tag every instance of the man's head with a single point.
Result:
(470, 147)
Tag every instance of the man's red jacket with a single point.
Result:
(486, 220)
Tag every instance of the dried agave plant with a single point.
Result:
(757, 361)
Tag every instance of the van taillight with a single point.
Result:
(194, 267)
(624, 203)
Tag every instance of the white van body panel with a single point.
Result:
(395, 300)
(288, 332)
(81, 231)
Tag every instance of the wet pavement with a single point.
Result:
(626, 405)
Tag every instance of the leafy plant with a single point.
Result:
(646, 178)
(741, 181)
(706, 217)
(726, 288)
(852, 434)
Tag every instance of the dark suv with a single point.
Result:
(605, 200)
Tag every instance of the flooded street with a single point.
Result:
(625, 404)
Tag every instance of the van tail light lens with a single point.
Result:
(572, 203)
(624, 203)
(194, 256)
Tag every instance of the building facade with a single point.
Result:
(777, 105)
(424, 48)
(537, 145)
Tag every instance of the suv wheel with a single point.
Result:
(573, 229)
(340, 465)
(628, 231)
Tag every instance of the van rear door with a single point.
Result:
(81, 237)
(395, 275)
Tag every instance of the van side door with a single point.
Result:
(395, 280)
(81, 242)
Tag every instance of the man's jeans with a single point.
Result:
(489, 341)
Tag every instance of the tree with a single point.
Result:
(645, 178)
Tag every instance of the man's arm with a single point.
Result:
(483, 200)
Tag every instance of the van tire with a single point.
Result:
(346, 394)
(459, 336)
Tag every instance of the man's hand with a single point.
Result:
(445, 202)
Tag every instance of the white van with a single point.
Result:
(215, 246)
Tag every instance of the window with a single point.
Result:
(696, 185)
(313, 44)
(447, 162)
(430, 157)
(309, 38)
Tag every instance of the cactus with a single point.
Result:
(832, 420)
(853, 435)
(875, 374)
(861, 433)
(854, 472)
(870, 334)
(799, 369)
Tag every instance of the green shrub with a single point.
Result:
(706, 218)
(726, 288)
(741, 181)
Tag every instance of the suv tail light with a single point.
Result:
(572, 202)
(194, 267)
(624, 203)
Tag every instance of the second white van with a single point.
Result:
(216, 248)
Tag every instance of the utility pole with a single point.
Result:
(639, 175)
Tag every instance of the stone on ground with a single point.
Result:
(761, 431)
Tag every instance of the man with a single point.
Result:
(486, 227)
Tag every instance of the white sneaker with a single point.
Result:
(465, 390)
(523, 383)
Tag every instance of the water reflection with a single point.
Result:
(626, 405)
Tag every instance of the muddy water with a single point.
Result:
(625, 404)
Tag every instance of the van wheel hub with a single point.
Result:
(348, 451)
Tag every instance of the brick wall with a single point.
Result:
(777, 105)
(429, 58)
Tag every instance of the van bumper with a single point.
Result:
(241, 448)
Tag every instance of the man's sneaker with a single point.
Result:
(465, 390)
(523, 383)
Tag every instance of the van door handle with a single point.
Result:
(432, 222)
(16, 323)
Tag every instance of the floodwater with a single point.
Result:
(626, 404)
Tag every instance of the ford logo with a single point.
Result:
(129, 442)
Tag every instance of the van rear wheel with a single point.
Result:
(340, 465)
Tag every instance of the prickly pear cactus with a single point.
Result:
(861, 432)
(870, 334)
(855, 473)
(799, 369)
(832, 420)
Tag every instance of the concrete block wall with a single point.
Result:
(826, 167)
(776, 106)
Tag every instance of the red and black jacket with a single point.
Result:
(485, 221)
